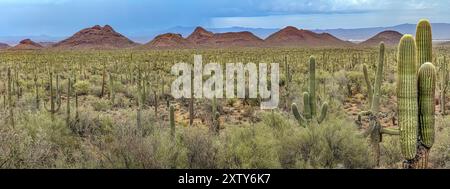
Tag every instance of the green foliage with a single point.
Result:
(82, 87)
(440, 153)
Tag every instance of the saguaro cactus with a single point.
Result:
(69, 86)
(112, 94)
(407, 97)
(55, 99)
(376, 130)
(172, 120)
(309, 100)
(427, 87)
(444, 85)
(312, 85)
(36, 90)
(10, 100)
(215, 116)
(424, 42)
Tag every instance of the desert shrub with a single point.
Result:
(355, 81)
(343, 145)
(199, 147)
(336, 143)
(391, 156)
(440, 152)
(248, 146)
(388, 89)
(126, 148)
(101, 104)
(96, 90)
(90, 123)
(82, 87)
(38, 142)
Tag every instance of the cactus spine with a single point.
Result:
(309, 100)
(424, 42)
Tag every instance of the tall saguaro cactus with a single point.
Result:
(407, 95)
(312, 85)
(309, 100)
(10, 100)
(424, 42)
(376, 130)
(55, 99)
(444, 85)
(172, 120)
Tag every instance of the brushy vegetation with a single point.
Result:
(120, 120)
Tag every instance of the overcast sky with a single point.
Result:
(135, 17)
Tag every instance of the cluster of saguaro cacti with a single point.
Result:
(309, 101)
(416, 107)
(415, 96)
(444, 85)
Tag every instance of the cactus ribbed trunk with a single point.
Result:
(369, 85)
(191, 102)
(10, 100)
(407, 96)
(444, 86)
(112, 94)
(307, 106)
(172, 120)
(375, 104)
(68, 102)
(312, 85)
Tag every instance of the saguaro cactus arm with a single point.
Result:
(427, 87)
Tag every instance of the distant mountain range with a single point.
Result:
(98, 37)
(441, 31)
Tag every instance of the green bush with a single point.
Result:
(440, 152)
(200, 149)
(82, 87)
(101, 104)
(248, 146)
